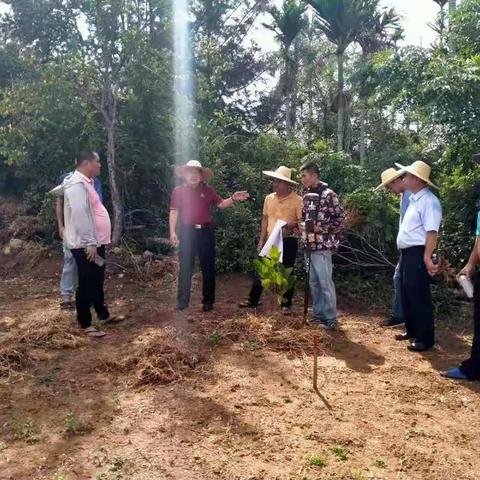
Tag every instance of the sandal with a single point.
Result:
(94, 333)
(114, 319)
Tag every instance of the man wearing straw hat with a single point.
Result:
(392, 181)
(417, 240)
(284, 204)
(191, 228)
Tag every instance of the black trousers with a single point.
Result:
(416, 296)
(195, 242)
(90, 288)
(471, 367)
(290, 248)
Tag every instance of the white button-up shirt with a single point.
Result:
(424, 214)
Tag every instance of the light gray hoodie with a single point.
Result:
(80, 231)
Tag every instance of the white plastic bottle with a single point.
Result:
(467, 285)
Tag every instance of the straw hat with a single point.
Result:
(420, 170)
(181, 170)
(388, 176)
(281, 173)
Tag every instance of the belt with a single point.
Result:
(199, 226)
(413, 248)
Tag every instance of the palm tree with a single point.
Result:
(439, 27)
(342, 21)
(381, 32)
(288, 22)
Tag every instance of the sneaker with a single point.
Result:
(392, 322)
(454, 373)
(67, 304)
(327, 325)
(113, 319)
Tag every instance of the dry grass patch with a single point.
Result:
(159, 357)
(21, 347)
(276, 332)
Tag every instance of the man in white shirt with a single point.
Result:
(392, 181)
(417, 240)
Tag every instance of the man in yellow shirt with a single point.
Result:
(284, 204)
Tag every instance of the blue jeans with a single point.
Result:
(68, 281)
(397, 309)
(324, 297)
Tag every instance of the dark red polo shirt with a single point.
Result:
(194, 204)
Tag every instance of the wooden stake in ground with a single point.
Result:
(315, 361)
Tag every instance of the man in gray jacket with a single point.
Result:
(87, 232)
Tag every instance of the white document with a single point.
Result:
(274, 240)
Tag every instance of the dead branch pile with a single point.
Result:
(447, 272)
(147, 266)
(24, 227)
(14, 359)
(160, 357)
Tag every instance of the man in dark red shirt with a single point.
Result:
(190, 216)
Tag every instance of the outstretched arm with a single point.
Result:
(236, 197)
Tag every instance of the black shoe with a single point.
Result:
(181, 307)
(402, 336)
(392, 322)
(418, 347)
(247, 304)
(207, 307)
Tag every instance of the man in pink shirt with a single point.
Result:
(87, 232)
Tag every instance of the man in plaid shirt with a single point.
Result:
(322, 241)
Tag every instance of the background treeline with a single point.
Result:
(99, 74)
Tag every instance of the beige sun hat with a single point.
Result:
(281, 173)
(421, 170)
(181, 170)
(388, 176)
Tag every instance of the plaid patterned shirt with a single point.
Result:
(326, 235)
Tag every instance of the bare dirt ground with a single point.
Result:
(225, 395)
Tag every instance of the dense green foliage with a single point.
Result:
(59, 60)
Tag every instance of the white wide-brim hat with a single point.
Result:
(421, 170)
(388, 176)
(281, 173)
(181, 170)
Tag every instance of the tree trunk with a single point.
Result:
(341, 103)
(363, 134)
(442, 25)
(288, 94)
(110, 118)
